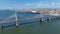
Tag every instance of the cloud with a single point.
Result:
(41, 4)
(28, 4)
(35, 4)
(53, 3)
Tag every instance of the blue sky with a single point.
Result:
(25, 4)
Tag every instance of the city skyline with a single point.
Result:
(26, 4)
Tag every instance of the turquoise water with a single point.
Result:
(29, 26)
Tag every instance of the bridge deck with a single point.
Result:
(25, 19)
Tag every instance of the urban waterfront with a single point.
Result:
(29, 16)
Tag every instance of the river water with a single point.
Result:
(35, 27)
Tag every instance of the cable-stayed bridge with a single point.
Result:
(14, 18)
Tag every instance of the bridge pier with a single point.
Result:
(41, 20)
(17, 24)
(49, 19)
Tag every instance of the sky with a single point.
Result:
(26, 4)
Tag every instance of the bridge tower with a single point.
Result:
(16, 19)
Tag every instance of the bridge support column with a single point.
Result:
(17, 24)
(41, 20)
(49, 19)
